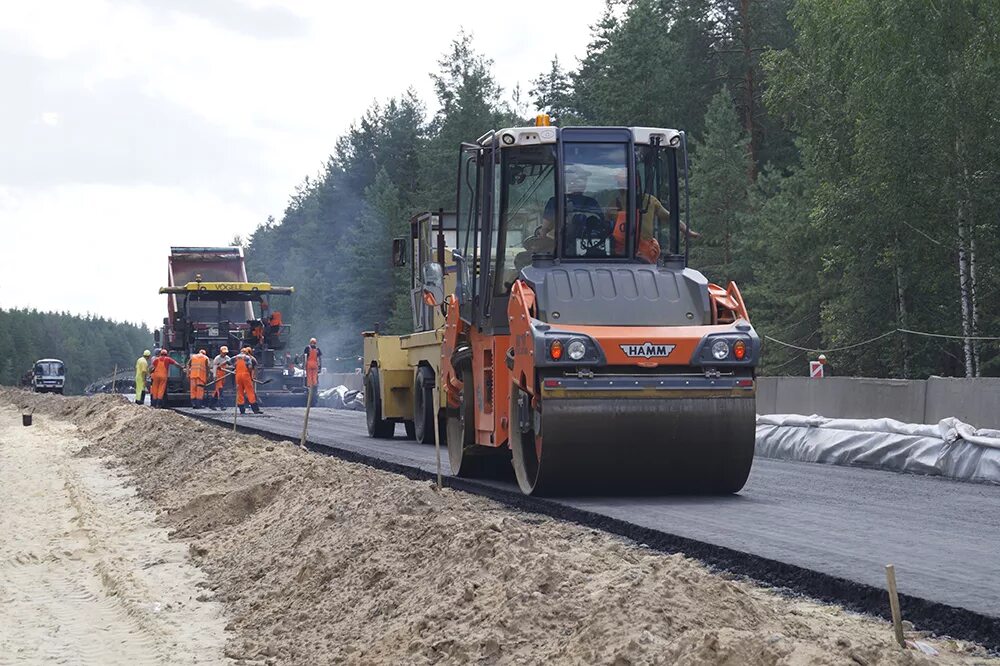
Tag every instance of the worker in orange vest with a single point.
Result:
(197, 367)
(245, 365)
(160, 370)
(314, 362)
(221, 370)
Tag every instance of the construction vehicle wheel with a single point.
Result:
(468, 459)
(377, 426)
(525, 443)
(411, 429)
(423, 405)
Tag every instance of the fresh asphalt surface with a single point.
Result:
(845, 522)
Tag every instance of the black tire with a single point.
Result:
(377, 426)
(423, 405)
(522, 444)
(468, 459)
(411, 430)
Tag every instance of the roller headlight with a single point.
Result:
(576, 349)
(720, 350)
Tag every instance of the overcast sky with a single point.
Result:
(128, 126)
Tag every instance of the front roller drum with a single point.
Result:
(632, 445)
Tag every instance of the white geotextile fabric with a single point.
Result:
(950, 448)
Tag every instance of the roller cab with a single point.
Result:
(578, 345)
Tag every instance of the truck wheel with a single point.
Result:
(377, 426)
(411, 429)
(423, 405)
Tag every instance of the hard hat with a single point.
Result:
(147, 353)
(312, 341)
(223, 350)
(201, 351)
(163, 352)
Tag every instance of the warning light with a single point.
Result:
(556, 350)
(543, 120)
(740, 350)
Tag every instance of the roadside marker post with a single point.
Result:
(437, 431)
(897, 620)
(815, 370)
(305, 423)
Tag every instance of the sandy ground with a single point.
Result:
(321, 561)
(86, 575)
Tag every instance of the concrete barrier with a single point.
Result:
(974, 401)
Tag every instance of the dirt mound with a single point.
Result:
(323, 561)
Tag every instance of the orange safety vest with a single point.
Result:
(649, 248)
(243, 366)
(161, 366)
(199, 367)
(313, 356)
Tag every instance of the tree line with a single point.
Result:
(91, 347)
(844, 161)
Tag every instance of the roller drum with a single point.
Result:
(625, 445)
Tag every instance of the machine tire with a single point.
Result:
(468, 459)
(377, 426)
(411, 429)
(523, 451)
(423, 405)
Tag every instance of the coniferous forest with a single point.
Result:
(845, 170)
(91, 347)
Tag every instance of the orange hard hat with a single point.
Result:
(163, 352)
(312, 341)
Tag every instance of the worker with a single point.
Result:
(197, 367)
(141, 376)
(160, 370)
(221, 369)
(245, 365)
(313, 356)
(581, 210)
(650, 211)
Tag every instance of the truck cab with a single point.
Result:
(48, 376)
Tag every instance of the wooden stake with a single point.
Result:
(897, 620)
(114, 378)
(236, 410)
(437, 430)
(305, 423)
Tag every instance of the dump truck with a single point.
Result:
(401, 371)
(578, 344)
(211, 304)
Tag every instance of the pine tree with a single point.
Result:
(720, 193)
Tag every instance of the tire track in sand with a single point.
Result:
(86, 577)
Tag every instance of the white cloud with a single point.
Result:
(191, 121)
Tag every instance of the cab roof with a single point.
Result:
(531, 135)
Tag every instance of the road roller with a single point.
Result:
(579, 346)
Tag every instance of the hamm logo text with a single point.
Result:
(647, 350)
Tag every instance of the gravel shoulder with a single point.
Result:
(318, 560)
(86, 574)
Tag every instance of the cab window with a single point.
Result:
(527, 185)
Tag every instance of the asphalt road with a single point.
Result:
(847, 523)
